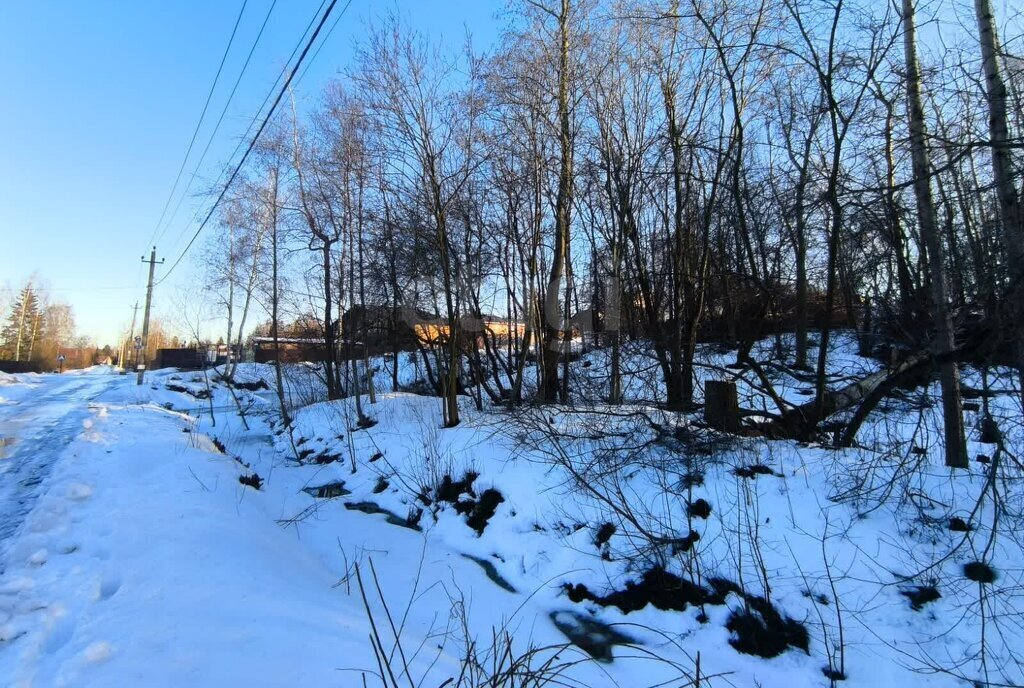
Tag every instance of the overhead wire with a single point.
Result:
(252, 122)
(220, 120)
(202, 116)
(327, 37)
(255, 138)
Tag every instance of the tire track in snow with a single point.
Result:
(38, 430)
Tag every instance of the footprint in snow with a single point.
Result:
(9, 632)
(108, 587)
(98, 652)
(38, 558)
(16, 585)
(78, 492)
(60, 630)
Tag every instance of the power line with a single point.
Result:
(327, 37)
(255, 138)
(266, 99)
(220, 120)
(202, 115)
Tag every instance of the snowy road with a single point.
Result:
(131, 554)
(34, 429)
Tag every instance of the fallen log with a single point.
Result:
(802, 421)
(872, 399)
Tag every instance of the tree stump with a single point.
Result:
(721, 406)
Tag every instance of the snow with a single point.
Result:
(143, 561)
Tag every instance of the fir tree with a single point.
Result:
(19, 335)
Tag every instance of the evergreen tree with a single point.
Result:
(22, 329)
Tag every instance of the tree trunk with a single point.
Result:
(949, 374)
(553, 322)
(1002, 172)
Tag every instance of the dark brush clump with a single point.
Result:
(833, 674)
(684, 544)
(699, 508)
(604, 534)
(459, 493)
(692, 480)
(761, 630)
(451, 490)
(664, 590)
(254, 481)
(980, 572)
(201, 394)
(758, 629)
(958, 525)
(920, 595)
(479, 514)
(250, 386)
(382, 484)
(753, 470)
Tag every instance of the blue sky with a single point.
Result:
(100, 102)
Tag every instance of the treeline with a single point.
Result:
(36, 328)
(674, 170)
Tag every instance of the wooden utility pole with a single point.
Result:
(141, 365)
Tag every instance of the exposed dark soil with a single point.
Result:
(699, 508)
(412, 521)
(478, 514)
(604, 534)
(328, 491)
(761, 630)
(478, 510)
(980, 572)
(958, 525)
(753, 470)
(920, 595)
(758, 629)
(250, 386)
(254, 481)
(201, 394)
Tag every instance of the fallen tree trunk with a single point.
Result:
(802, 422)
(876, 395)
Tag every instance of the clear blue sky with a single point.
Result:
(100, 101)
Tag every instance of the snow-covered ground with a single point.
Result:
(139, 558)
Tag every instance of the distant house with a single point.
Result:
(385, 328)
(184, 358)
(219, 354)
(288, 349)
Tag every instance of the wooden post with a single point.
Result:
(721, 406)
